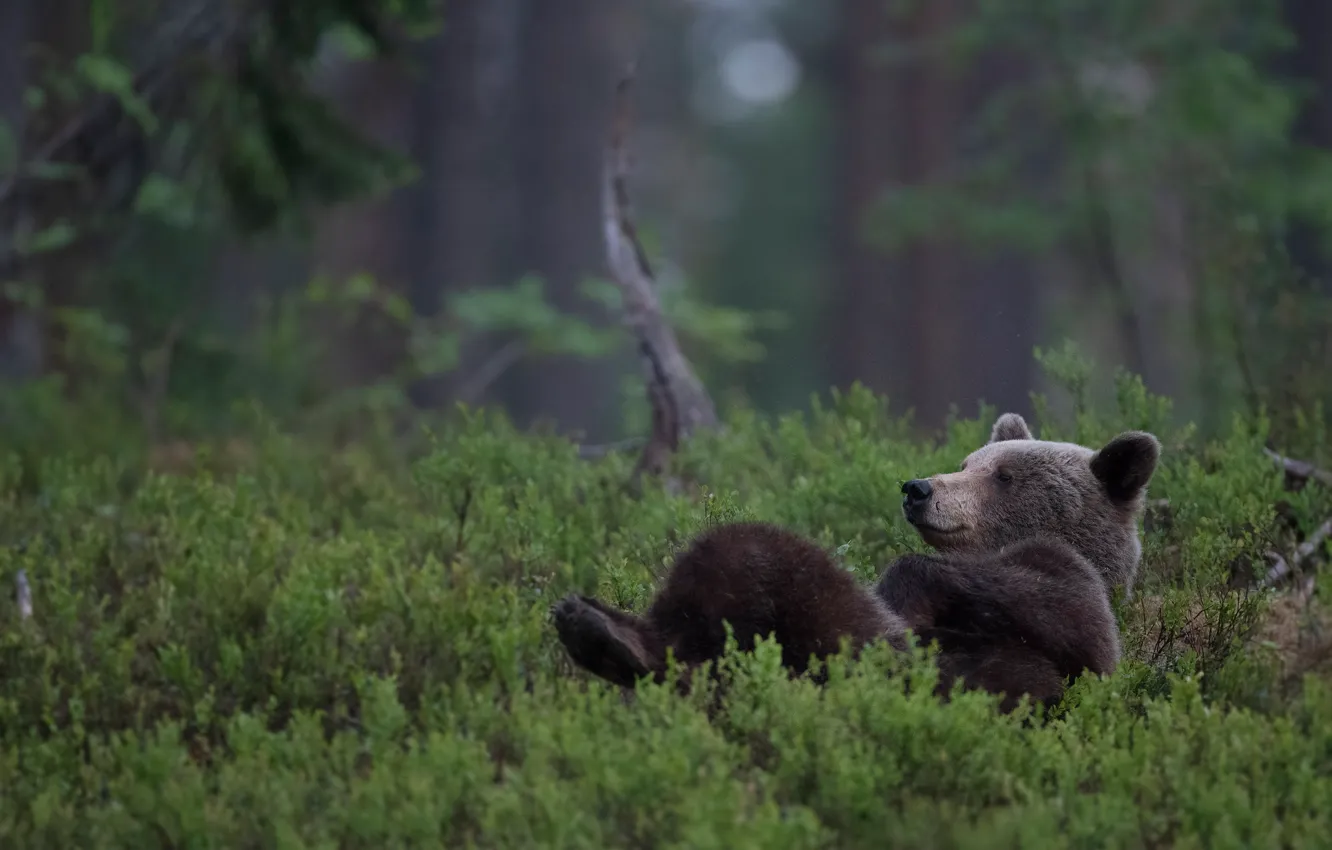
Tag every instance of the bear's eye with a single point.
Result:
(1004, 476)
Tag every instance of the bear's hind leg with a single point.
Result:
(611, 644)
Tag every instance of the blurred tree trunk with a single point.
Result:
(938, 358)
(367, 237)
(1163, 299)
(568, 74)
(461, 221)
(14, 36)
(20, 338)
(445, 232)
(934, 325)
(1001, 287)
(1311, 62)
(870, 320)
(57, 30)
(1140, 261)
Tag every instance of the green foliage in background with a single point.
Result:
(1140, 99)
(250, 148)
(287, 643)
(158, 374)
(1127, 131)
(244, 137)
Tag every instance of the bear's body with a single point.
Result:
(757, 577)
(1031, 536)
(1022, 620)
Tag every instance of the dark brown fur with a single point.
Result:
(1032, 537)
(761, 579)
(1020, 621)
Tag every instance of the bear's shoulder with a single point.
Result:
(1047, 555)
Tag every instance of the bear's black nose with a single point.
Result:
(916, 491)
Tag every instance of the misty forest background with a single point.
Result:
(272, 587)
(338, 207)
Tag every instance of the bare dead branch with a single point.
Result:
(680, 404)
(23, 592)
(159, 381)
(1311, 544)
(603, 449)
(1304, 592)
(491, 371)
(1283, 568)
(1280, 569)
(1300, 470)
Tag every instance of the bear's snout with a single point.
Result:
(915, 493)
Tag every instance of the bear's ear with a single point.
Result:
(1125, 464)
(1010, 426)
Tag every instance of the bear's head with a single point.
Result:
(1016, 487)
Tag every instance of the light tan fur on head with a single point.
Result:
(1017, 487)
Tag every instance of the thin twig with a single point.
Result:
(595, 451)
(491, 371)
(158, 383)
(24, 594)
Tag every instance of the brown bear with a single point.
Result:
(1031, 536)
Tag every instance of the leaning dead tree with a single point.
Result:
(680, 404)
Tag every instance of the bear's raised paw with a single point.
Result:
(607, 643)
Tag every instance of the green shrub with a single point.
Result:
(315, 646)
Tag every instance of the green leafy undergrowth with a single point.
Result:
(318, 648)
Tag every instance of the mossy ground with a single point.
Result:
(278, 644)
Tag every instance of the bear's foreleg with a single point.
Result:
(1021, 621)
